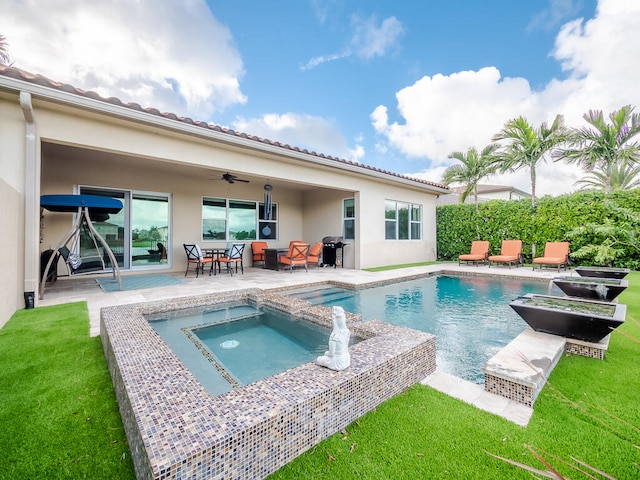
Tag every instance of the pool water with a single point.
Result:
(470, 316)
(264, 344)
(243, 343)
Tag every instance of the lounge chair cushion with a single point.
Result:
(503, 258)
(472, 258)
(510, 252)
(479, 251)
(555, 253)
(550, 260)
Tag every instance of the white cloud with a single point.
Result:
(368, 40)
(558, 11)
(442, 114)
(171, 55)
(304, 131)
(315, 61)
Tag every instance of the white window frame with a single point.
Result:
(395, 221)
(346, 219)
(259, 222)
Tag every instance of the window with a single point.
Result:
(390, 220)
(242, 220)
(214, 219)
(228, 220)
(415, 223)
(349, 219)
(267, 229)
(402, 221)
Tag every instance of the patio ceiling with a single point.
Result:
(123, 161)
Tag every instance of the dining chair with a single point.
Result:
(197, 258)
(233, 256)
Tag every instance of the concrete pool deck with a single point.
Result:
(86, 289)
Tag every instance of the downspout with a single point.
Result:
(31, 202)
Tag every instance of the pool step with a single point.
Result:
(323, 296)
(520, 370)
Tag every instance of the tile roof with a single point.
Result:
(484, 188)
(18, 74)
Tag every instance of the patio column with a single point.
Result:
(31, 203)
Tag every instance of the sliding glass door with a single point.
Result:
(149, 229)
(139, 234)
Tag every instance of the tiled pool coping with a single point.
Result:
(176, 430)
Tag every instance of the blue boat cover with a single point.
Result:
(71, 203)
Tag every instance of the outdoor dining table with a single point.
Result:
(214, 253)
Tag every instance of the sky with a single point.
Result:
(397, 85)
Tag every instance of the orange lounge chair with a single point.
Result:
(555, 254)
(479, 253)
(510, 253)
(296, 256)
(314, 254)
(257, 249)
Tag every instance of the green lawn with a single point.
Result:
(58, 413)
(60, 419)
(395, 267)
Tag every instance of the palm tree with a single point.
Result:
(527, 146)
(619, 176)
(604, 146)
(471, 171)
(5, 56)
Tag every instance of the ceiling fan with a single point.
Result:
(227, 177)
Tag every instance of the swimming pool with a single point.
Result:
(469, 315)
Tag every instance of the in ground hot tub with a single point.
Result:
(232, 345)
(177, 429)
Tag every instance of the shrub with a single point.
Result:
(550, 220)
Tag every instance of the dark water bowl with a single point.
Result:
(595, 288)
(560, 316)
(602, 272)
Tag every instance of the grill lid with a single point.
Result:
(331, 239)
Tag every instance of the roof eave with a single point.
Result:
(204, 130)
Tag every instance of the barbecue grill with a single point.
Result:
(332, 251)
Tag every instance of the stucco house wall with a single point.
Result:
(12, 147)
(82, 140)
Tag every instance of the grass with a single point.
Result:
(60, 419)
(395, 267)
(58, 411)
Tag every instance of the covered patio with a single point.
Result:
(184, 181)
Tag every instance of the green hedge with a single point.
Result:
(550, 220)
